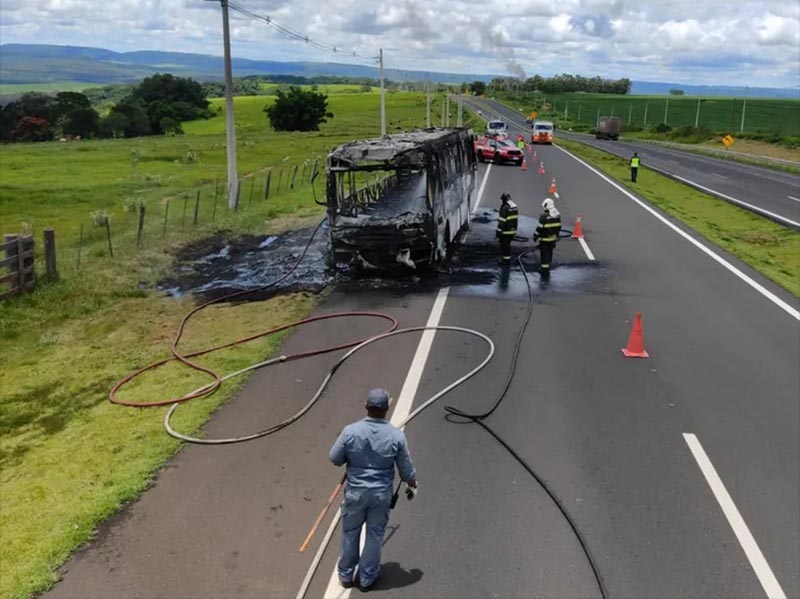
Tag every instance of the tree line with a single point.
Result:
(157, 106)
(564, 83)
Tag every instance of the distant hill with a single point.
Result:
(28, 64)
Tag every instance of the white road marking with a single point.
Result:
(401, 411)
(586, 249)
(482, 187)
(793, 198)
(759, 564)
(740, 202)
(709, 252)
(720, 176)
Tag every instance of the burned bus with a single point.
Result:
(399, 201)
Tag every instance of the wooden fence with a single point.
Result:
(18, 262)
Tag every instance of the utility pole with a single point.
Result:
(428, 102)
(630, 112)
(383, 98)
(566, 110)
(645, 113)
(230, 127)
(697, 114)
(666, 110)
(447, 107)
(744, 109)
(460, 111)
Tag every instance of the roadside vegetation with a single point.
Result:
(771, 249)
(68, 458)
(771, 126)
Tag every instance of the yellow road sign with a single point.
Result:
(727, 140)
(533, 114)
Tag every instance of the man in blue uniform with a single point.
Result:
(371, 448)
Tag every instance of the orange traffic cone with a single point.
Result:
(577, 233)
(553, 186)
(535, 158)
(635, 347)
(524, 165)
(541, 168)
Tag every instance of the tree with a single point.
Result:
(298, 110)
(82, 121)
(170, 126)
(478, 88)
(32, 128)
(134, 121)
(167, 96)
(676, 92)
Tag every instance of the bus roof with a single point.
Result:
(391, 147)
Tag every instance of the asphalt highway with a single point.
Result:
(681, 470)
(771, 193)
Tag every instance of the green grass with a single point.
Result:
(54, 86)
(327, 88)
(771, 249)
(780, 117)
(68, 458)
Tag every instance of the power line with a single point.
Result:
(295, 35)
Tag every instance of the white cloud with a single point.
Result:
(678, 40)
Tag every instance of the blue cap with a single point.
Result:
(379, 399)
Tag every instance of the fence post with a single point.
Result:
(280, 178)
(50, 253)
(183, 218)
(80, 248)
(238, 192)
(196, 206)
(141, 225)
(108, 236)
(305, 167)
(164, 227)
(266, 187)
(252, 188)
(12, 249)
(294, 175)
(214, 210)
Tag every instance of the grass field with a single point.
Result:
(56, 86)
(780, 117)
(330, 89)
(67, 457)
(770, 248)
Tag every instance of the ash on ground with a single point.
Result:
(224, 264)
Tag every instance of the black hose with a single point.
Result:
(479, 419)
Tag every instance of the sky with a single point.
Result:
(711, 42)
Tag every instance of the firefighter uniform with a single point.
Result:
(547, 233)
(506, 227)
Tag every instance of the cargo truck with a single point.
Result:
(608, 127)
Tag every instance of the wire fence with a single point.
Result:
(732, 115)
(133, 227)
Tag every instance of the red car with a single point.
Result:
(497, 150)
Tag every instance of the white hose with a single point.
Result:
(327, 380)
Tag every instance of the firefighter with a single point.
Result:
(547, 234)
(506, 227)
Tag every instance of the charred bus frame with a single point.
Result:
(401, 200)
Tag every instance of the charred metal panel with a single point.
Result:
(387, 198)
